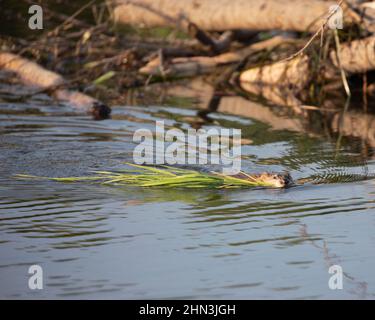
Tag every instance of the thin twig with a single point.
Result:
(364, 92)
(321, 29)
(342, 71)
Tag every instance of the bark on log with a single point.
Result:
(367, 12)
(299, 15)
(278, 82)
(34, 75)
(356, 56)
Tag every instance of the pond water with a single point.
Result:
(95, 241)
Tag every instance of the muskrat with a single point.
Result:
(275, 180)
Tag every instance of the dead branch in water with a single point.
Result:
(36, 76)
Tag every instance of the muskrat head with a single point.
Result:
(277, 180)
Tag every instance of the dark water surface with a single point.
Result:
(121, 242)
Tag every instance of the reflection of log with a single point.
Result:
(192, 66)
(299, 15)
(278, 82)
(36, 76)
(245, 108)
(355, 124)
(357, 56)
(202, 92)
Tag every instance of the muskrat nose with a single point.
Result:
(288, 180)
(282, 183)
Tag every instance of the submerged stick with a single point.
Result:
(342, 71)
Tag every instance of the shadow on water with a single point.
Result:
(101, 241)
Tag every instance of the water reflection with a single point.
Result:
(121, 242)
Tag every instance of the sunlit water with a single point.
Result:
(96, 241)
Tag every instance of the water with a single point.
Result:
(124, 242)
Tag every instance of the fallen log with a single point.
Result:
(367, 12)
(220, 15)
(279, 82)
(33, 75)
(356, 56)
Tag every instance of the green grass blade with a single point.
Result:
(165, 177)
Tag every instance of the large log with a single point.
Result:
(34, 75)
(299, 15)
(278, 82)
(356, 56)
